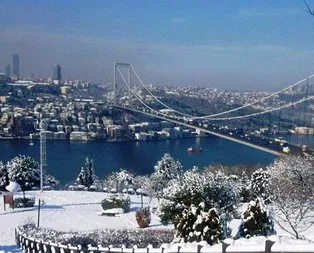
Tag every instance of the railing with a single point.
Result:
(32, 245)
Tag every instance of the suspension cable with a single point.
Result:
(225, 112)
(263, 112)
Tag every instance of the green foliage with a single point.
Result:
(86, 176)
(116, 201)
(256, 221)
(143, 217)
(260, 184)
(25, 171)
(4, 176)
(196, 225)
(165, 170)
(169, 212)
(105, 237)
(119, 180)
(214, 190)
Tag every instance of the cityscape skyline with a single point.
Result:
(255, 45)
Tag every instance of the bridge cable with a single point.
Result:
(263, 112)
(225, 112)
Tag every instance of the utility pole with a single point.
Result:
(42, 153)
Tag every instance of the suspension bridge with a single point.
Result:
(257, 124)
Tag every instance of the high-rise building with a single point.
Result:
(57, 72)
(16, 66)
(7, 71)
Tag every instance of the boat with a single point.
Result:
(31, 143)
(191, 149)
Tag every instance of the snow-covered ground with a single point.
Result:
(68, 211)
(78, 211)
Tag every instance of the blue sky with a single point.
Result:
(235, 44)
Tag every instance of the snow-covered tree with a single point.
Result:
(292, 195)
(256, 220)
(193, 187)
(180, 194)
(165, 170)
(221, 193)
(4, 176)
(243, 185)
(196, 225)
(260, 184)
(50, 181)
(86, 176)
(119, 180)
(25, 171)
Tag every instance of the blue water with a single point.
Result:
(64, 158)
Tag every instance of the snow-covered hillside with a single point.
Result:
(68, 211)
(77, 211)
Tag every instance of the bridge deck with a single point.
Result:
(230, 138)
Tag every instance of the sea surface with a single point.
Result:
(65, 158)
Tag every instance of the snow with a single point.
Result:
(68, 211)
(78, 211)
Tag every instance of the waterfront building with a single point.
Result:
(16, 67)
(304, 130)
(79, 136)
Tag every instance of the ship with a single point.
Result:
(191, 149)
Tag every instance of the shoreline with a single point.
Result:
(103, 140)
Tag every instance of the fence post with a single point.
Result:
(268, 245)
(224, 246)
(179, 248)
(199, 247)
(38, 213)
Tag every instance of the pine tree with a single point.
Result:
(4, 176)
(196, 225)
(86, 176)
(256, 220)
(260, 184)
(165, 170)
(244, 188)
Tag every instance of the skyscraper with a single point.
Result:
(16, 66)
(57, 72)
(7, 71)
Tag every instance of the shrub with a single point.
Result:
(169, 211)
(256, 221)
(105, 237)
(21, 202)
(117, 201)
(143, 217)
(215, 191)
(197, 225)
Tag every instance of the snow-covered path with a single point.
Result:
(67, 211)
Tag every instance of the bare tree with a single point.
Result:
(291, 186)
(308, 9)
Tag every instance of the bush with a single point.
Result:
(256, 221)
(21, 202)
(215, 191)
(197, 225)
(169, 211)
(143, 217)
(105, 237)
(117, 201)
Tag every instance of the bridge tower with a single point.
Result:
(116, 88)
